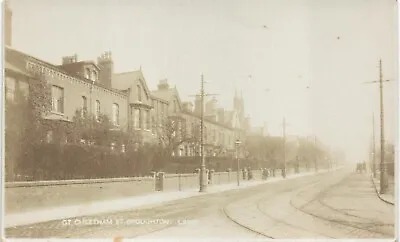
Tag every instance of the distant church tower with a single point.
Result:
(7, 24)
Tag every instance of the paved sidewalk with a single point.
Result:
(97, 207)
(389, 197)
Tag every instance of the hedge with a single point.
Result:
(55, 162)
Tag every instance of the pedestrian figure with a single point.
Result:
(250, 174)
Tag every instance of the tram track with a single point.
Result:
(318, 199)
(265, 198)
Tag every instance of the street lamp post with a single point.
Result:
(237, 143)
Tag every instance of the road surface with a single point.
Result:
(340, 204)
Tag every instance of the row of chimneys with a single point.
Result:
(103, 58)
(104, 62)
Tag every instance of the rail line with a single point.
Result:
(263, 198)
(282, 221)
(318, 198)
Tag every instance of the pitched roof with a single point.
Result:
(125, 80)
(167, 94)
(11, 53)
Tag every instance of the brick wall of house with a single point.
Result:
(75, 89)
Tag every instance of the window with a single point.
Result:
(24, 88)
(97, 110)
(94, 76)
(153, 122)
(84, 106)
(88, 76)
(115, 114)
(140, 119)
(148, 120)
(123, 148)
(136, 118)
(214, 135)
(57, 99)
(174, 106)
(139, 93)
(10, 88)
(144, 120)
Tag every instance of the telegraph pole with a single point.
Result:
(373, 146)
(383, 178)
(203, 172)
(203, 185)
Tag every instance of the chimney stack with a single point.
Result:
(106, 65)
(163, 85)
(69, 59)
(7, 24)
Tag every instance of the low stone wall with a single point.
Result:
(28, 196)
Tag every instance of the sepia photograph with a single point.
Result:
(180, 120)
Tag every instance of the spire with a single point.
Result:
(236, 93)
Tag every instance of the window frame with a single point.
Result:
(115, 114)
(10, 92)
(57, 103)
(97, 110)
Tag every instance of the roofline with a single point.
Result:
(207, 120)
(49, 65)
(159, 99)
(171, 89)
(81, 62)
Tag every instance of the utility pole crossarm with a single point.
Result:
(205, 95)
(371, 82)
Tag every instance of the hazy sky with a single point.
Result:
(285, 45)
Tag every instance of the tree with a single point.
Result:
(25, 126)
(171, 134)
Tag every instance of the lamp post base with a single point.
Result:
(203, 180)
